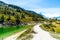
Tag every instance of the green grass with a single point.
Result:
(55, 35)
(6, 31)
(25, 34)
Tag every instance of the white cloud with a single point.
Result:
(51, 12)
(48, 12)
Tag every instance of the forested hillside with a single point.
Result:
(12, 14)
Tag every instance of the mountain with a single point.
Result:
(2, 3)
(58, 17)
(14, 14)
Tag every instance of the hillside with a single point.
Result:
(12, 14)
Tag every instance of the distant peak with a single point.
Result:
(1, 2)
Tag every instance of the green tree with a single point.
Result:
(2, 19)
(17, 19)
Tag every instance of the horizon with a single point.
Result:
(49, 8)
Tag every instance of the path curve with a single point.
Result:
(41, 34)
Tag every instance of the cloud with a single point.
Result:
(52, 12)
(49, 12)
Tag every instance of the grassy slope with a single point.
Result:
(53, 27)
(4, 32)
(57, 28)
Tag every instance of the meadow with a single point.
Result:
(9, 30)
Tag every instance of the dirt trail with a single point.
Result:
(41, 34)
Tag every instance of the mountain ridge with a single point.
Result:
(14, 14)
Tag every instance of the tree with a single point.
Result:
(9, 18)
(17, 19)
(2, 19)
(22, 16)
(13, 20)
(5, 10)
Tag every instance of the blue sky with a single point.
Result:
(49, 8)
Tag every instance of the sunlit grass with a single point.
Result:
(53, 27)
(55, 35)
(6, 31)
